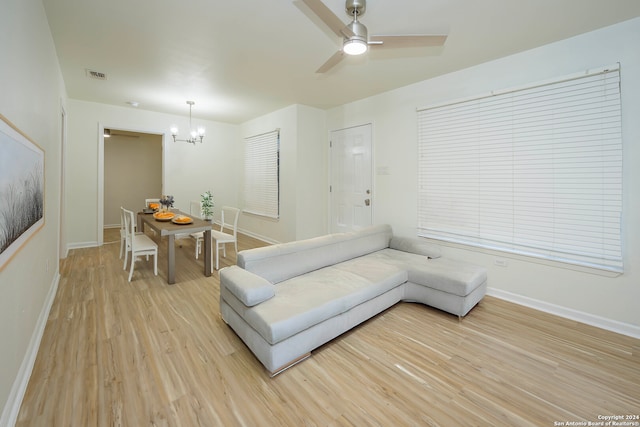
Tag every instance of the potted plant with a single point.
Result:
(206, 204)
(166, 202)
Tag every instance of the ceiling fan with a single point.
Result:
(356, 40)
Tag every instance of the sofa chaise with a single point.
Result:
(285, 300)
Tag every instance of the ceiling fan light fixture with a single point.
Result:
(354, 46)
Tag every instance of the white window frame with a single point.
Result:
(534, 171)
(261, 195)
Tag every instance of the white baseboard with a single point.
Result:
(12, 406)
(81, 245)
(568, 313)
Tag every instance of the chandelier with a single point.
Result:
(196, 135)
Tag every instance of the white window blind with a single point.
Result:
(535, 171)
(262, 174)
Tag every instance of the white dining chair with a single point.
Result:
(147, 201)
(219, 239)
(123, 232)
(195, 211)
(125, 244)
(138, 244)
(146, 206)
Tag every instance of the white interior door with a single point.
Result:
(351, 178)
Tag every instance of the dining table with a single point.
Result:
(170, 229)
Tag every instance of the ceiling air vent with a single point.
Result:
(96, 75)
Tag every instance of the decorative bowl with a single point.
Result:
(182, 220)
(163, 216)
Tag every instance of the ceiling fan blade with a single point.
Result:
(407, 41)
(329, 18)
(331, 62)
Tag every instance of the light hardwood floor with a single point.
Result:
(144, 353)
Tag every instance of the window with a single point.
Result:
(535, 171)
(262, 174)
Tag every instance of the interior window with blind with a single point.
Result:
(262, 174)
(535, 171)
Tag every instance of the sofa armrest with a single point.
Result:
(415, 246)
(248, 287)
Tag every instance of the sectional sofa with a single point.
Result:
(287, 299)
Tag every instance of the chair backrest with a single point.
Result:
(122, 224)
(229, 219)
(130, 226)
(195, 209)
(147, 201)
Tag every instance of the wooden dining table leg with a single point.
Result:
(171, 260)
(207, 253)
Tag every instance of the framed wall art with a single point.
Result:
(21, 190)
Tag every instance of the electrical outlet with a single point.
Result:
(501, 262)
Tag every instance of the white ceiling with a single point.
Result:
(240, 59)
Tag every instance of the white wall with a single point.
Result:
(189, 170)
(612, 302)
(312, 189)
(32, 97)
(282, 229)
(303, 179)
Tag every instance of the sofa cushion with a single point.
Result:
(284, 261)
(450, 276)
(415, 246)
(309, 299)
(249, 288)
(454, 277)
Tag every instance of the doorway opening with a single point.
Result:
(132, 171)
